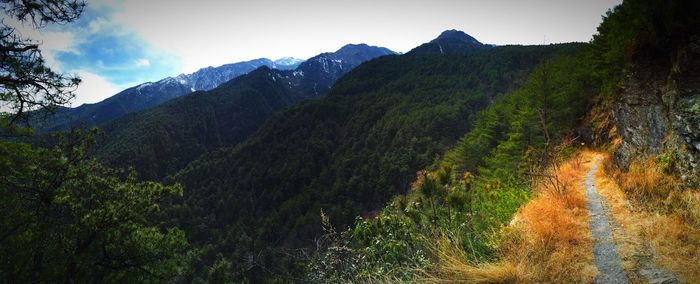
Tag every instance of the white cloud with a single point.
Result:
(53, 42)
(143, 62)
(97, 25)
(50, 41)
(93, 88)
(58, 41)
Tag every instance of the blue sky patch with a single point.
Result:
(106, 49)
(118, 57)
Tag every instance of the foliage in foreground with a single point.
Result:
(63, 216)
(66, 217)
(26, 81)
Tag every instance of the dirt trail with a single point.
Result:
(607, 259)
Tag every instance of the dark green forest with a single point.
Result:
(163, 140)
(468, 195)
(65, 217)
(347, 153)
(476, 186)
(256, 183)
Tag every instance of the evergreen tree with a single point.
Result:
(63, 216)
(26, 83)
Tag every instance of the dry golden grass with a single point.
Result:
(548, 240)
(655, 220)
(687, 205)
(646, 181)
(453, 268)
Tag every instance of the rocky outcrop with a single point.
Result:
(658, 112)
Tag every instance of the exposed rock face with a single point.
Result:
(658, 113)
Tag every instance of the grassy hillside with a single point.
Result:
(347, 153)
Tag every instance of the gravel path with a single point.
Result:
(607, 260)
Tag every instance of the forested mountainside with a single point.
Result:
(504, 205)
(162, 140)
(461, 198)
(347, 153)
(454, 162)
(151, 94)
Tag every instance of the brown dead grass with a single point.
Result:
(654, 219)
(548, 240)
(452, 268)
(646, 181)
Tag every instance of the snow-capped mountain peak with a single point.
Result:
(288, 61)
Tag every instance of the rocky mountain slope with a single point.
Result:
(658, 112)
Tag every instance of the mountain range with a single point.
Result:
(150, 94)
(280, 146)
(172, 134)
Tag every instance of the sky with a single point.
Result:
(121, 43)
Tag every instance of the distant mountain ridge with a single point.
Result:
(150, 94)
(317, 74)
(450, 42)
(169, 136)
(211, 77)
